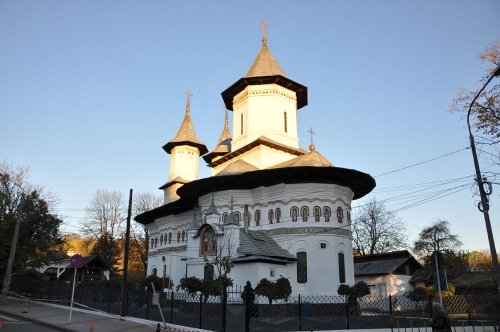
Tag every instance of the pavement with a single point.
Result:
(57, 317)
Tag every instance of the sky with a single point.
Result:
(91, 90)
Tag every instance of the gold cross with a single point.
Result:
(265, 27)
(310, 131)
(189, 94)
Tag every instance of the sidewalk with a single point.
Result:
(57, 317)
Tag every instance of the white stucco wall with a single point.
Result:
(322, 263)
(389, 284)
(263, 108)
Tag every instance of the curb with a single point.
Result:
(19, 316)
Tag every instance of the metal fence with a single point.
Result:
(295, 313)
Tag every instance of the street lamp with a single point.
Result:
(484, 207)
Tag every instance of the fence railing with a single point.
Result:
(296, 312)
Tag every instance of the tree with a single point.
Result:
(486, 109)
(223, 258)
(104, 223)
(142, 202)
(479, 260)
(455, 263)
(39, 239)
(436, 237)
(377, 230)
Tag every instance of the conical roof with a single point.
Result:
(223, 144)
(186, 135)
(265, 64)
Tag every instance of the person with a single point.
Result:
(440, 319)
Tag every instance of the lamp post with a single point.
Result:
(484, 206)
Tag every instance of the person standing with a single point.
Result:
(440, 320)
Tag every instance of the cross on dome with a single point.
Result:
(265, 27)
(189, 94)
(311, 146)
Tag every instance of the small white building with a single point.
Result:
(387, 274)
(273, 207)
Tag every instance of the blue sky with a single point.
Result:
(91, 90)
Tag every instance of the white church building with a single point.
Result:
(273, 207)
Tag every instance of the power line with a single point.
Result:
(422, 162)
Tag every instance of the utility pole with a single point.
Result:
(123, 311)
(13, 247)
(484, 205)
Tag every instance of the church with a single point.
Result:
(271, 207)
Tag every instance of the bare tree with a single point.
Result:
(436, 237)
(377, 230)
(143, 202)
(106, 215)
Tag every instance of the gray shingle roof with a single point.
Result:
(378, 266)
(255, 245)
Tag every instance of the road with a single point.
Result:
(9, 323)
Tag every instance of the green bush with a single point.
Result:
(274, 290)
(360, 289)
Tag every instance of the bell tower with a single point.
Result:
(185, 150)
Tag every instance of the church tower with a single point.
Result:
(264, 104)
(223, 144)
(185, 150)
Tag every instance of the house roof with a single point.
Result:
(483, 279)
(378, 267)
(256, 246)
(238, 167)
(262, 140)
(422, 275)
(382, 263)
(91, 259)
(313, 158)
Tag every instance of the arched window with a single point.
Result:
(237, 217)
(270, 216)
(161, 240)
(178, 237)
(348, 212)
(278, 215)
(327, 212)
(341, 268)
(224, 217)
(304, 212)
(257, 218)
(152, 243)
(249, 218)
(208, 272)
(294, 213)
(169, 237)
(317, 213)
(208, 245)
(183, 236)
(154, 271)
(156, 241)
(340, 214)
(205, 219)
(301, 267)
